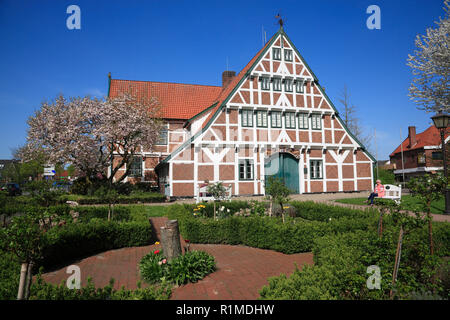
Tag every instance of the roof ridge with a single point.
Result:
(187, 84)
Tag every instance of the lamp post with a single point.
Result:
(441, 123)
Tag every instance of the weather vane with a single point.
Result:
(280, 20)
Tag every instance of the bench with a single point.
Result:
(393, 192)
(204, 196)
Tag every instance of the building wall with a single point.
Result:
(215, 154)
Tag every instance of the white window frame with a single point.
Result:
(248, 169)
(303, 120)
(316, 169)
(261, 119)
(289, 120)
(276, 119)
(316, 121)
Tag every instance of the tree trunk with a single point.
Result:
(380, 224)
(170, 238)
(282, 211)
(28, 280)
(109, 212)
(214, 210)
(397, 259)
(430, 230)
(22, 281)
(270, 208)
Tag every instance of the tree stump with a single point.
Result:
(170, 239)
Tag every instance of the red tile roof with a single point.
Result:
(430, 137)
(179, 101)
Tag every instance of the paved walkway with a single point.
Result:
(241, 271)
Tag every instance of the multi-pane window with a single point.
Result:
(136, 167)
(289, 120)
(287, 55)
(303, 121)
(261, 118)
(265, 83)
(421, 158)
(316, 121)
(245, 169)
(162, 139)
(316, 169)
(276, 54)
(247, 118)
(276, 119)
(299, 86)
(276, 84)
(288, 85)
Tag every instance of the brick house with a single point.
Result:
(272, 118)
(422, 153)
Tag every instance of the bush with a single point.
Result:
(41, 290)
(340, 270)
(121, 199)
(9, 276)
(322, 212)
(190, 267)
(79, 240)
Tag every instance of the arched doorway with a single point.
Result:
(283, 165)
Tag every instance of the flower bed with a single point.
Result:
(190, 267)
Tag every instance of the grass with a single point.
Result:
(409, 201)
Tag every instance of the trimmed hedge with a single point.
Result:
(41, 290)
(297, 235)
(79, 240)
(121, 199)
(322, 212)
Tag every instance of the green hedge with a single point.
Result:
(79, 240)
(41, 290)
(341, 261)
(121, 199)
(297, 235)
(322, 212)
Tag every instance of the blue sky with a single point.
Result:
(191, 41)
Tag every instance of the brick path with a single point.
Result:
(241, 271)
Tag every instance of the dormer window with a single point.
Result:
(276, 54)
(276, 84)
(287, 55)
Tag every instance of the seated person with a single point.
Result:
(379, 192)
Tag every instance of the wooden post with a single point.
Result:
(170, 238)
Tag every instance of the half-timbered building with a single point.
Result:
(271, 119)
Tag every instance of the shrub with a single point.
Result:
(190, 267)
(340, 270)
(121, 199)
(78, 240)
(322, 212)
(41, 290)
(9, 276)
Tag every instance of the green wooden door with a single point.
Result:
(285, 167)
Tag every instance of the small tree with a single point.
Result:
(406, 224)
(278, 193)
(110, 196)
(218, 191)
(43, 193)
(427, 189)
(24, 238)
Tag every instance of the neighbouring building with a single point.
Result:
(272, 118)
(422, 153)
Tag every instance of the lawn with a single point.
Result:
(140, 212)
(409, 201)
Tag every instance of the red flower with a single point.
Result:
(187, 241)
(156, 252)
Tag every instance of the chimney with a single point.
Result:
(227, 76)
(412, 136)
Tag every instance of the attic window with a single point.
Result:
(299, 86)
(287, 55)
(276, 54)
(276, 84)
(265, 83)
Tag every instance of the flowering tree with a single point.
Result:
(219, 192)
(89, 133)
(431, 66)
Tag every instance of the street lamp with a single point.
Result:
(441, 123)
